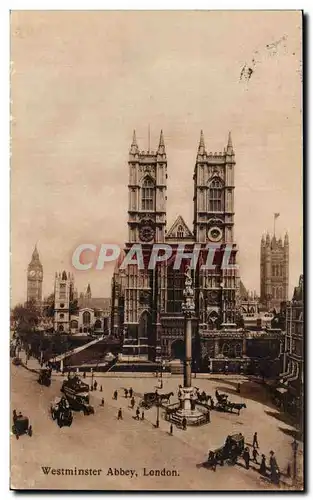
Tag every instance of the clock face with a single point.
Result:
(215, 234)
(32, 274)
(146, 233)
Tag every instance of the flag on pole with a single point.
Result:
(276, 215)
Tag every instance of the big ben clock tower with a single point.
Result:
(34, 279)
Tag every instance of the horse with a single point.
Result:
(236, 406)
(203, 397)
(166, 397)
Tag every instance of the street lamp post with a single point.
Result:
(157, 424)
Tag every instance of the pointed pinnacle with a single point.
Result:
(161, 143)
(229, 143)
(201, 143)
(134, 143)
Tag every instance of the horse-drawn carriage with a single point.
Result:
(154, 398)
(21, 425)
(61, 412)
(223, 404)
(231, 451)
(45, 377)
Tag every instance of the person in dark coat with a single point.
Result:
(238, 387)
(274, 471)
(100, 388)
(255, 453)
(102, 402)
(262, 469)
(132, 402)
(184, 424)
(14, 416)
(137, 414)
(142, 415)
(131, 392)
(95, 385)
(246, 457)
(255, 442)
(125, 393)
(115, 395)
(120, 414)
(171, 429)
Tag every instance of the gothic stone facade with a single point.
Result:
(146, 304)
(274, 271)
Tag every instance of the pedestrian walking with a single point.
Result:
(255, 442)
(246, 457)
(132, 402)
(115, 395)
(131, 392)
(255, 453)
(100, 388)
(125, 393)
(84, 375)
(14, 416)
(184, 423)
(95, 385)
(262, 469)
(102, 402)
(120, 414)
(238, 387)
(171, 429)
(274, 471)
(137, 414)
(142, 415)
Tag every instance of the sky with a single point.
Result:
(82, 81)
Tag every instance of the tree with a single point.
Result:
(26, 315)
(48, 309)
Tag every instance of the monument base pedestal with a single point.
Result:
(188, 412)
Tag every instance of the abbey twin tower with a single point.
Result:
(147, 303)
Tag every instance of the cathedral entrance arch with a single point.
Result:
(98, 324)
(178, 349)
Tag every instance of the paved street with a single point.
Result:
(101, 442)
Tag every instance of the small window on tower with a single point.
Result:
(147, 195)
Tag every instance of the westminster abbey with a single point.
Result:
(147, 304)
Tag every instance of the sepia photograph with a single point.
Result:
(157, 284)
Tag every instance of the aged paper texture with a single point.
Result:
(156, 234)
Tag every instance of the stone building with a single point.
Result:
(292, 376)
(92, 314)
(146, 304)
(274, 271)
(63, 295)
(35, 279)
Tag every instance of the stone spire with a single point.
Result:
(201, 148)
(134, 146)
(88, 292)
(230, 149)
(268, 239)
(286, 239)
(161, 148)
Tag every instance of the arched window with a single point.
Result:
(86, 318)
(74, 323)
(226, 349)
(180, 232)
(147, 194)
(215, 201)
